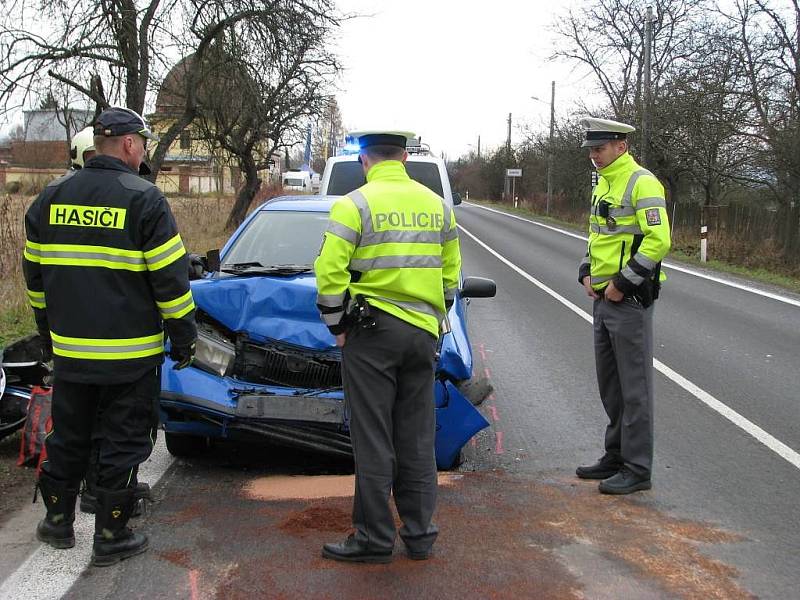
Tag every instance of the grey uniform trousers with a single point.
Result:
(623, 349)
(388, 374)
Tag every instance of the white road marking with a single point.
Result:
(48, 573)
(713, 403)
(667, 264)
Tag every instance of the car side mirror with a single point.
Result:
(212, 261)
(478, 287)
(456, 198)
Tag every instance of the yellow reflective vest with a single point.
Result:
(106, 273)
(629, 231)
(395, 242)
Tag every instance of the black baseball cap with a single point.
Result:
(117, 120)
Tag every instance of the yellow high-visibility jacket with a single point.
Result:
(395, 242)
(629, 231)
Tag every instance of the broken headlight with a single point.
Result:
(214, 354)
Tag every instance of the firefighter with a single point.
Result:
(82, 148)
(386, 273)
(629, 235)
(106, 273)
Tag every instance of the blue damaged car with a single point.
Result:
(266, 365)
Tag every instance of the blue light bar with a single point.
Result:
(350, 148)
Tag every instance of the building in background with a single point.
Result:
(41, 152)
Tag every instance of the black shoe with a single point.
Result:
(603, 469)
(141, 493)
(113, 540)
(59, 498)
(418, 555)
(352, 550)
(625, 482)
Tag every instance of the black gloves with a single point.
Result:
(47, 347)
(196, 266)
(182, 355)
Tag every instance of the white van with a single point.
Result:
(297, 180)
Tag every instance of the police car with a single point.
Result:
(344, 173)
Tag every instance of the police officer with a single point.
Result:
(390, 259)
(106, 272)
(628, 237)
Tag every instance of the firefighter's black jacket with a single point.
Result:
(106, 271)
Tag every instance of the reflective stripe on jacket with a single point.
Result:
(628, 244)
(394, 241)
(106, 272)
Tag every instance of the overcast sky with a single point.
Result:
(451, 70)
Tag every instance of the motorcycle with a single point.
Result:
(21, 368)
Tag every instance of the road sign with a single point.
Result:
(513, 172)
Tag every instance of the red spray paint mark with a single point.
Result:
(498, 446)
(194, 577)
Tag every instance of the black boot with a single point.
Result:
(141, 493)
(113, 540)
(59, 498)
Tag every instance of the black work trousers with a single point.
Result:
(623, 348)
(119, 420)
(388, 376)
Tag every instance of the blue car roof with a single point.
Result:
(304, 203)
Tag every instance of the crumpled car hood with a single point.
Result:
(278, 308)
(285, 309)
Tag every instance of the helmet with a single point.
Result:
(82, 142)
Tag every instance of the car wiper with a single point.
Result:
(236, 267)
(259, 269)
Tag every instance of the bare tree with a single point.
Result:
(766, 40)
(258, 104)
(117, 51)
(607, 37)
(327, 134)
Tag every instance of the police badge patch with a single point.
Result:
(653, 216)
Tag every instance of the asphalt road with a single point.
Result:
(721, 521)
(738, 346)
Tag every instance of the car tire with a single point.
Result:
(185, 446)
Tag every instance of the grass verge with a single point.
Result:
(759, 275)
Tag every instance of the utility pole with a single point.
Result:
(550, 147)
(648, 42)
(508, 139)
(506, 186)
(479, 147)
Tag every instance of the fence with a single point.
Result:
(751, 235)
(748, 235)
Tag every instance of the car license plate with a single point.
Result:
(290, 408)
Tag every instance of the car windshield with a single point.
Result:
(347, 176)
(279, 238)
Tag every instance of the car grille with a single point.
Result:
(283, 366)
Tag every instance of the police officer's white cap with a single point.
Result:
(381, 137)
(602, 131)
